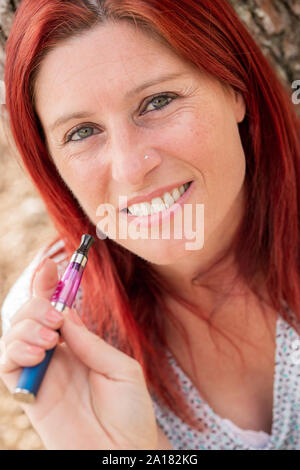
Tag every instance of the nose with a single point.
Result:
(128, 165)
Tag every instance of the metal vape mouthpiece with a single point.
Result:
(86, 242)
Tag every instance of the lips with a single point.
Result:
(148, 197)
(159, 217)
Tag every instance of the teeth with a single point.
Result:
(168, 199)
(145, 207)
(158, 204)
(176, 194)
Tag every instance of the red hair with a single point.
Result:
(122, 293)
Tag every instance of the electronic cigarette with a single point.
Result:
(64, 296)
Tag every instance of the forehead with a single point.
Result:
(113, 55)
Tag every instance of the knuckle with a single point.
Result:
(31, 309)
(28, 324)
(20, 313)
(18, 330)
(12, 346)
(6, 339)
(17, 350)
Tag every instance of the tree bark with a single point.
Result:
(274, 24)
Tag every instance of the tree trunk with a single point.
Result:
(274, 24)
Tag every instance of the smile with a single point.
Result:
(157, 204)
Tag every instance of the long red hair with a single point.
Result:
(122, 294)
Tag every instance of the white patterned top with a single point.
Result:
(221, 433)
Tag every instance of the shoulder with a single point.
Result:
(19, 293)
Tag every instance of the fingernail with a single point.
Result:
(53, 315)
(74, 317)
(47, 334)
(35, 350)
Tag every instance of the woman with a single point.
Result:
(136, 99)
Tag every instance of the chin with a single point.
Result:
(160, 252)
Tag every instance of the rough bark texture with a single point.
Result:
(275, 24)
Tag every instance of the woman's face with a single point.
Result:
(187, 125)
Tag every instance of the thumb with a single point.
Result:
(46, 279)
(95, 352)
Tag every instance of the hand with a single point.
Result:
(93, 396)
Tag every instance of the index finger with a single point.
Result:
(35, 309)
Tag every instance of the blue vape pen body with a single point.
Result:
(31, 378)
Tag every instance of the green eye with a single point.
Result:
(82, 133)
(162, 100)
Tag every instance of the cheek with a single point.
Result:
(86, 182)
(214, 148)
(217, 151)
(196, 137)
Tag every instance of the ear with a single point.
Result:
(239, 106)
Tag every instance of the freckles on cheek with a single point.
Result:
(200, 145)
(84, 184)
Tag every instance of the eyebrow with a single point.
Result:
(85, 114)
